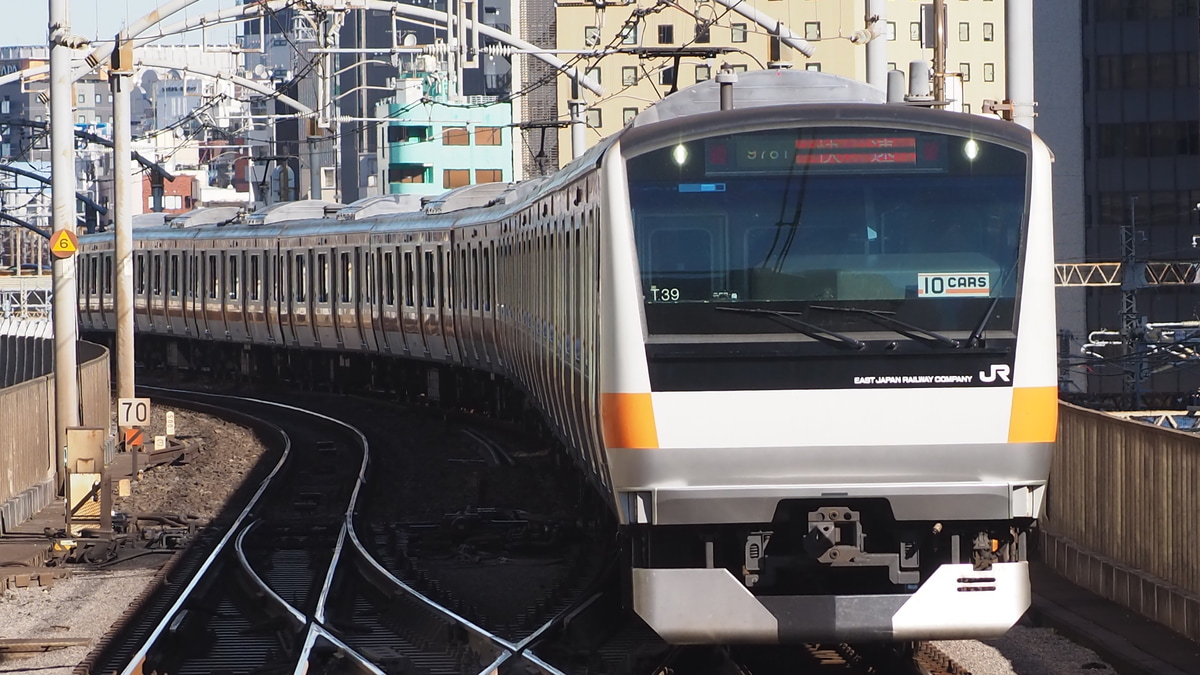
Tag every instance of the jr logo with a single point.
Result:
(998, 370)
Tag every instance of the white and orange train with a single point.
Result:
(804, 346)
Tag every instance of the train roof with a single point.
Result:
(762, 88)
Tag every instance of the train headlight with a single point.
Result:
(971, 149)
(680, 154)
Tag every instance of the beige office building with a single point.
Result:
(974, 30)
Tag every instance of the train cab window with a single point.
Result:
(255, 278)
(409, 280)
(344, 282)
(322, 277)
(157, 278)
(214, 281)
(301, 278)
(234, 277)
(173, 282)
(389, 278)
(430, 278)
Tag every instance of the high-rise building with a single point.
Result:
(746, 35)
(1118, 86)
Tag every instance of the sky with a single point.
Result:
(103, 18)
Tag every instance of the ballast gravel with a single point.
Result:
(1024, 650)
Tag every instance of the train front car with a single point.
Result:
(829, 388)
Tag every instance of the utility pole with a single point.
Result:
(66, 310)
(120, 81)
(1018, 36)
(877, 46)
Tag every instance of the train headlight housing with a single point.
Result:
(971, 149)
(680, 154)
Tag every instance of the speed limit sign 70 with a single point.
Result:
(133, 412)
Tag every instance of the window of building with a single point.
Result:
(775, 49)
(666, 34)
(1162, 67)
(703, 34)
(1135, 73)
(966, 108)
(408, 173)
(627, 115)
(5, 106)
(591, 36)
(456, 136)
(491, 135)
(452, 178)
(328, 177)
(964, 32)
(83, 98)
(914, 31)
(989, 32)
(989, 72)
(398, 133)
(629, 35)
(741, 67)
(593, 73)
(703, 72)
(737, 32)
(594, 119)
(812, 30)
(965, 69)
(83, 119)
(813, 66)
(666, 76)
(99, 98)
(891, 30)
(489, 175)
(629, 76)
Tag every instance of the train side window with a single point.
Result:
(474, 278)
(430, 278)
(368, 277)
(255, 278)
(443, 292)
(108, 274)
(234, 277)
(301, 278)
(156, 280)
(213, 280)
(194, 277)
(139, 273)
(322, 276)
(462, 259)
(410, 281)
(344, 289)
(487, 279)
(173, 287)
(93, 272)
(389, 277)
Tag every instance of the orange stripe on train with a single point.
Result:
(1034, 416)
(628, 421)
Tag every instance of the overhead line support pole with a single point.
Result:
(66, 312)
(120, 81)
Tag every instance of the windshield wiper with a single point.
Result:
(906, 329)
(977, 334)
(811, 330)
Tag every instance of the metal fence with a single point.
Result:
(27, 422)
(1123, 503)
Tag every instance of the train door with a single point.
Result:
(345, 299)
(302, 319)
(235, 296)
(391, 299)
(157, 297)
(445, 262)
(191, 285)
(214, 314)
(287, 296)
(256, 301)
(272, 299)
(365, 307)
(430, 302)
(108, 304)
(176, 270)
(321, 299)
(410, 312)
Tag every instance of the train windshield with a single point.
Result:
(918, 226)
